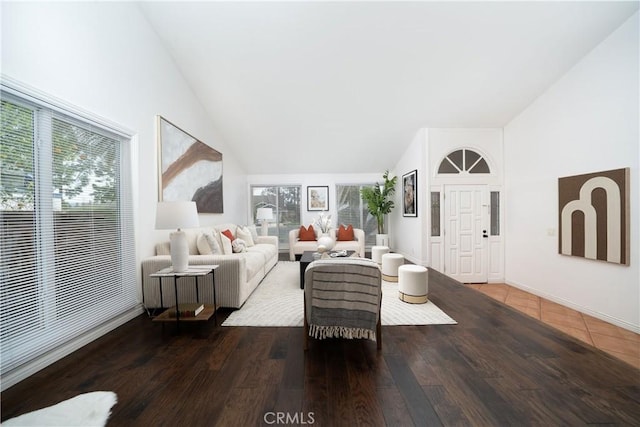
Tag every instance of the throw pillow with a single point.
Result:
(307, 234)
(229, 234)
(254, 232)
(214, 244)
(345, 233)
(203, 245)
(244, 234)
(226, 244)
(238, 245)
(207, 244)
(163, 248)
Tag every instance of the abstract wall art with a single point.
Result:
(594, 216)
(188, 168)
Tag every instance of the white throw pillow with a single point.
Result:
(163, 248)
(226, 245)
(244, 234)
(215, 235)
(203, 245)
(254, 232)
(207, 244)
(238, 245)
(215, 246)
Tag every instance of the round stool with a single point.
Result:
(413, 283)
(377, 252)
(390, 264)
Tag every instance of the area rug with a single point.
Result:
(88, 409)
(278, 301)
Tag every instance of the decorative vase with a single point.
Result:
(326, 241)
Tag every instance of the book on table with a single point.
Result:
(186, 310)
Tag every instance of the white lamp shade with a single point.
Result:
(176, 215)
(264, 213)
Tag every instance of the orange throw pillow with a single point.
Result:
(307, 234)
(345, 233)
(229, 234)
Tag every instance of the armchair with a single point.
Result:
(297, 246)
(342, 299)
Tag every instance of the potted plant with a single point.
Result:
(379, 203)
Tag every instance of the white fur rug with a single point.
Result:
(278, 301)
(87, 410)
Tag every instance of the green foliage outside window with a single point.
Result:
(84, 168)
(16, 157)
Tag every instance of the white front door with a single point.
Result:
(465, 233)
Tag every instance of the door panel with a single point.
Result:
(466, 215)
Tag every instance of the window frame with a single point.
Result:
(57, 337)
(366, 221)
(282, 229)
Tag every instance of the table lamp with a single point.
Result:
(264, 215)
(177, 215)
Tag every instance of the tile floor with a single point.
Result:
(609, 338)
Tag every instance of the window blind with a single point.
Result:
(67, 253)
(353, 210)
(285, 202)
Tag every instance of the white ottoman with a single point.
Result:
(413, 283)
(390, 264)
(377, 252)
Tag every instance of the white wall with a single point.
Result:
(487, 142)
(586, 122)
(409, 235)
(106, 59)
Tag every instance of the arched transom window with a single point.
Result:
(464, 161)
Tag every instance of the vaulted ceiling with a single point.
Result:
(337, 87)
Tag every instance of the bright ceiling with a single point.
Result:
(343, 87)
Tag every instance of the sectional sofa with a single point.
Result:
(236, 277)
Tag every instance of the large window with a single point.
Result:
(353, 210)
(285, 202)
(67, 254)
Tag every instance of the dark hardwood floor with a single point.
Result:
(496, 367)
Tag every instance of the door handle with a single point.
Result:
(484, 234)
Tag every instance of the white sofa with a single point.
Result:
(236, 278)
(297, 246)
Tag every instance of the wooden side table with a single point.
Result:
(195, 271)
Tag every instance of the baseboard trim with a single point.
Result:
(604, 317)
(15, 376)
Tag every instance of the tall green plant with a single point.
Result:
(378, 199)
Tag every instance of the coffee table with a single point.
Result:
(307, 258)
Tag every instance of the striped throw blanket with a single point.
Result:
(343, 298)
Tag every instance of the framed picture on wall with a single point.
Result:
(594, 216)
(188, 168)
(409, 191)
(318, 198)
